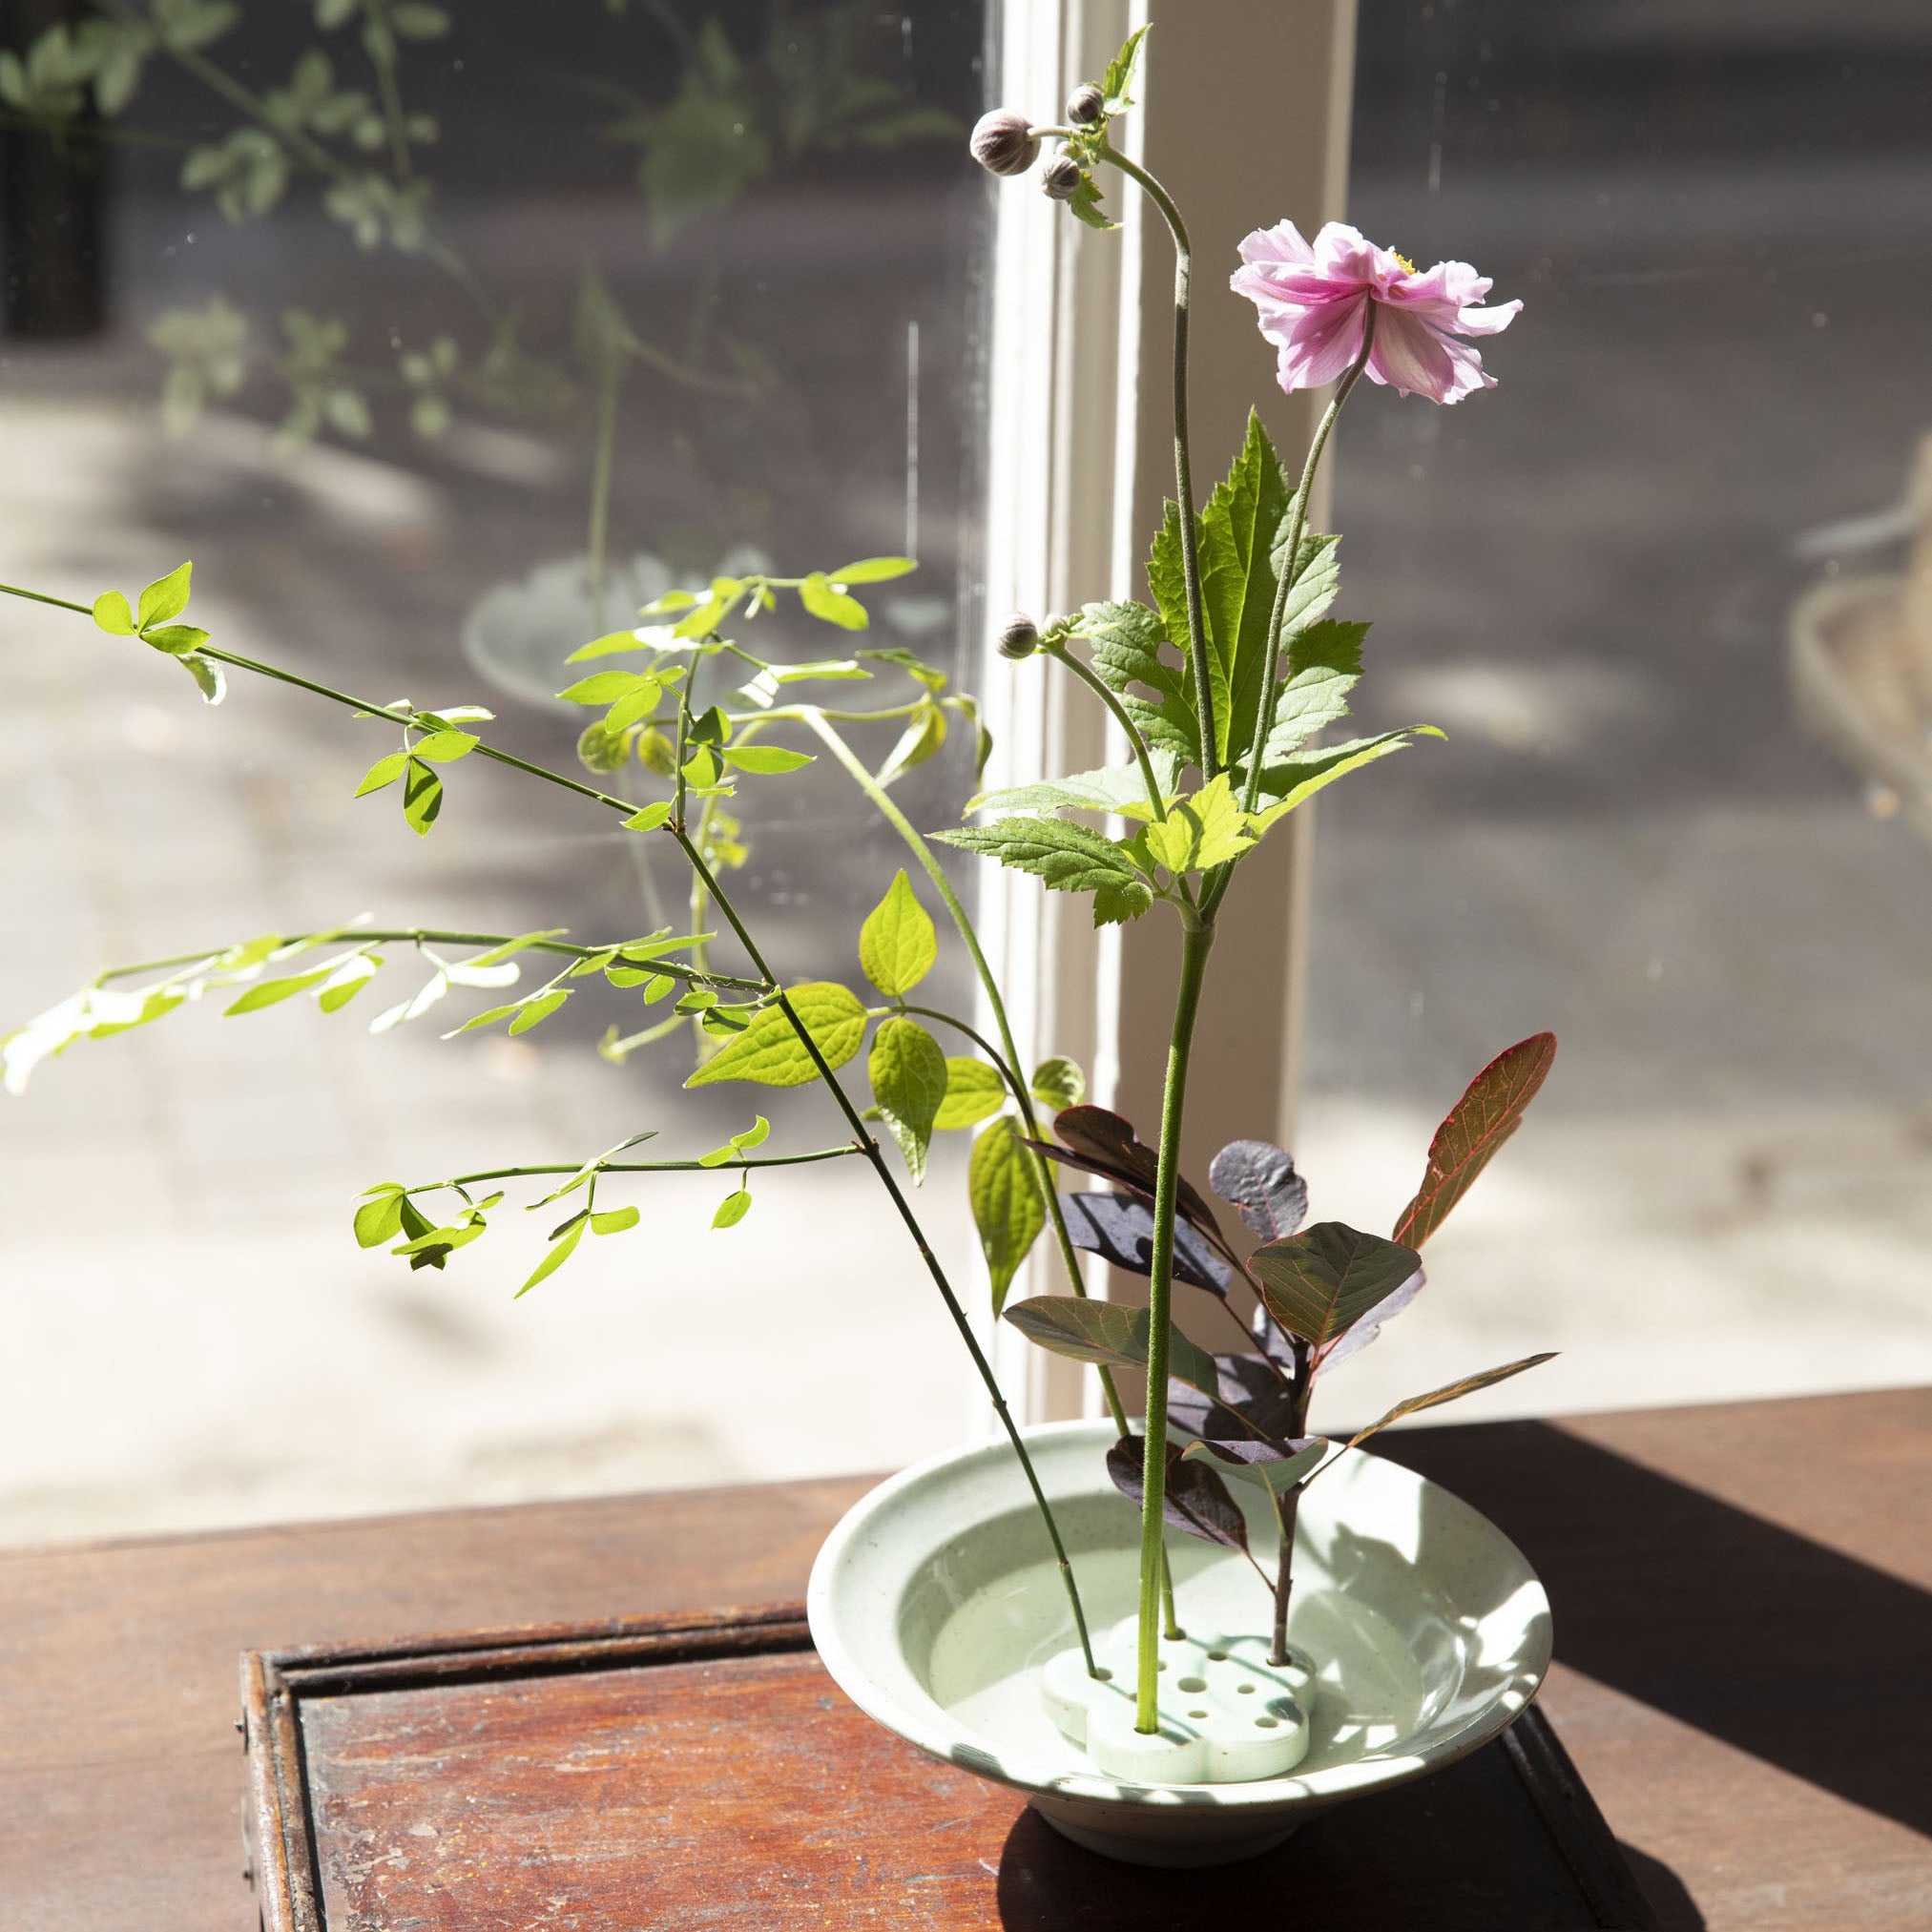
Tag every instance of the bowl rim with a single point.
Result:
(933, 1730)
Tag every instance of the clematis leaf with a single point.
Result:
(769, 1051)
(973, 1090)
(908, 1075)
(1284, 786)
(1204, 830)
(898, 944)
(1133, 656)
(1006, 1203)
(1058, 1083)
(1488, 1112)
(1193, 1498)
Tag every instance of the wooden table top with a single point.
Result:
(1742, 1595)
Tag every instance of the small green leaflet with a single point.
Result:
(769, 1051)
(615, 1221)
(1006, 1203)
(112, 614)
(563, 1245)
(765, 760)
(422, 798)
(650, 818)
(898, 944)
(831, 604)
(1205, 830)
(739, 1145)
(379, 1218)
(443, 747)
(383, 772)
(269, 992)
(924, 734)
(165, 597)
(536, 1010)
(733, 1208)
(908, 1075)
(973, 1090)
(1069, 858)
(872, 570)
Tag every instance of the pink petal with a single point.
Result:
(1344, 253)
(1281, 243)
(1410, 356)
(1486, 322)
(1321, 344)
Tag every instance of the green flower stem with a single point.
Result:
(1197, 942)
(1183, 476)
(1008, 1059)
(871, 1149)
(421, 936)
(463, 1180)
(1298, 523)
(1086, 674)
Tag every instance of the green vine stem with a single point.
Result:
(904, 1208)
(738, 1161)
(1298, 523)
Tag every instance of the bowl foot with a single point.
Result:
(1131, 1847)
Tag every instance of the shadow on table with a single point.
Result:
(1694, 1608)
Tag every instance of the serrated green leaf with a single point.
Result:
(271, 992)
(1110, 1333)
(165, 597)
(1323, 664)
(832, 606)
(1205, 830)
(973, 1090)
(1084, 205)
(732, 1210)
(1005, 1196)
(765, 760)
(872, 570)
(110, 613)
(898, 943)
(383, 772)
(1133, 656)
(770, 1053)
(561, 1249)
(1114, 789)
(1285, 786)
(1119, 75)
(1058, 1083)
(908, 1075)
(1069, 858)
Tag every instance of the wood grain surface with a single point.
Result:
(1744, 1636)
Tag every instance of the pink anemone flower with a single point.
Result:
(1314, 304)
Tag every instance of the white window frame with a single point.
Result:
(1243, 112)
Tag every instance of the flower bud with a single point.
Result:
(1019, 637)
(603, 751)
(1003, 143)
(1061, 177)
(1086, 105)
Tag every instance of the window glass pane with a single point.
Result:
(441, 338)
(1699, 858)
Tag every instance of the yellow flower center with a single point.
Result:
(1408, 266)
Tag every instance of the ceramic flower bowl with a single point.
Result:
(935, 1603)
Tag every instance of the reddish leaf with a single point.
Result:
(1258, 1182)
(1469, 1385)
(1119, 1228)
(1195, 1498)
(1104, 1143)
(1478, 1123)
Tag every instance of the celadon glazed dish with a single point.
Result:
(936, 1606)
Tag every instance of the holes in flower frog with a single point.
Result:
(1203, 1714)
(1192, 1683)
(1267, 1723)
(1246, 1690)
(1217, 1656)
